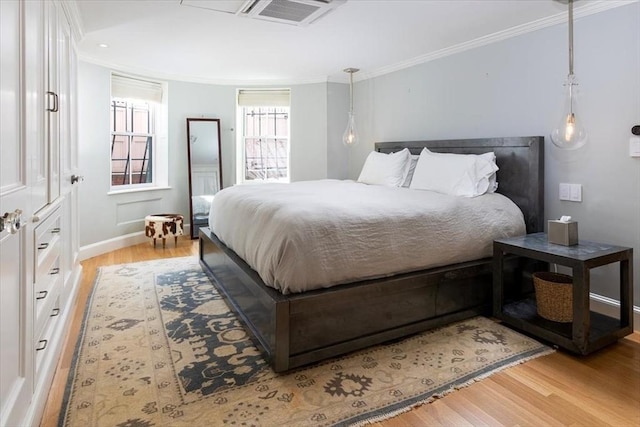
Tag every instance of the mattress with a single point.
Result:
(317, 234)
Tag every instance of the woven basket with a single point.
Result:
(554, 296)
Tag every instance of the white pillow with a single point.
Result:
(455, 174)
(412, 168)
(493, 184)
(386, 169)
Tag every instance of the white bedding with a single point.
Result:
(316, 234)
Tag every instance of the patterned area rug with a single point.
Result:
(159, 347)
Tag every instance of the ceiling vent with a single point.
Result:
(293, 12)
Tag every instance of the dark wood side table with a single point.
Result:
(589, 331)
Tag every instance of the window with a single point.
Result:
(264, 143)
(135, 107)
(131, 142)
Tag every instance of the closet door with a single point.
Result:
(53, 98)
(15, 298)
(65, 69)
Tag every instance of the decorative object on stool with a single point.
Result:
(162, 226)
(554, 296)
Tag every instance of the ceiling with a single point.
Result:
(192, 42)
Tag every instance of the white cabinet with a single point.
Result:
(39, 268)
(16, 385)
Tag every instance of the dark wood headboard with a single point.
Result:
(521, 163)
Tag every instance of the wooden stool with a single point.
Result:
(161, 226)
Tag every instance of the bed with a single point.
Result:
(299, 328)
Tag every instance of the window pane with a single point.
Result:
(282, 123)
(253, 157)
(119, 160)
(282, 146)
(266, 131)
(118, 116)
(252, 122)
(141, 159)
(119, 147)
(131, 142)
(141, 118)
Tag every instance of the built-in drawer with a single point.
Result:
(47, 234)
(46, 299)
(47, 274)
(48, 267)
(44, 343)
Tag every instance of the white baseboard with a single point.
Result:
(99, 248)
(611, 307)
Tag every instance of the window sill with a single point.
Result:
(136, 190)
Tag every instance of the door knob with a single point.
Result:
(11, 221)
(76, 178)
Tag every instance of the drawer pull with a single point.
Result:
(42, 344)
(55, 312)
(43, 246)
(55, 270)
(42, 294)
(55, 230)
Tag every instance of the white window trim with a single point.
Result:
(161, 141)
(282, 98)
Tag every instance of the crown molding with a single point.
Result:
(70, 8)
(197, 79)
(561, 18)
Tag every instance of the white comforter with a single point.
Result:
(314, 234)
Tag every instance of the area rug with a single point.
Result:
(159, 347)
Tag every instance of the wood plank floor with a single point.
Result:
(556, 390)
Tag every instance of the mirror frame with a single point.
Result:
(193, 228)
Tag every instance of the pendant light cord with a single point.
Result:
(351, 92)
(571, 37)
(350, 71)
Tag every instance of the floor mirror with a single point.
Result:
(205, 169)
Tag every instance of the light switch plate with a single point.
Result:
(576, 193)
(570, 192)
(565, 191)
(634, 146)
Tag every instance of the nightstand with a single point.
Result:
(589, 331)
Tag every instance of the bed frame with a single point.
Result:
(298, 329)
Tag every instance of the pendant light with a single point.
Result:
(350, 136)
(570, 134)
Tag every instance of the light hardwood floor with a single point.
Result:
(556, 390)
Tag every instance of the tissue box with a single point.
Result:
(563, 233)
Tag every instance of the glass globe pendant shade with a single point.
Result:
(350, 136)
(569, 134)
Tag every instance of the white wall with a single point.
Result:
(104, 217)
(515, 88)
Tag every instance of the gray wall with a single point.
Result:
(515, 88)
(104, 217)
(337, 152)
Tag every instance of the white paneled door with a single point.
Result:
(15, 382)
